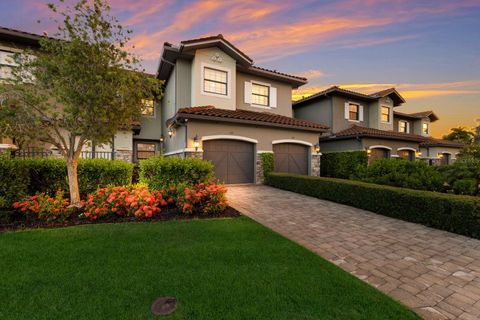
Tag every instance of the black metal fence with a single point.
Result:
(45, 153)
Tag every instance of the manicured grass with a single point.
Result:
(218, 269)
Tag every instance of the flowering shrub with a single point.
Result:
(122, 201)
(203, 198)
(44, 207)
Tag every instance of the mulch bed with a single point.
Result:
(21, 222)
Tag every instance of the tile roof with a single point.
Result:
(355, 131)
(432, 142)
(418, 115)
(218, 37)
(245, 116)
(280, 73)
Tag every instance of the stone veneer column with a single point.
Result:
(125, 155)
(194, 154)
(259, 178)
(316, 165)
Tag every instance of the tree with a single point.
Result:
(460, 134)
(81, 85)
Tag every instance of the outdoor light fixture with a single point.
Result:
(419, 154)
(162, 138)
(170, 133)
(196, 144)
(369, 151)
(317, 148)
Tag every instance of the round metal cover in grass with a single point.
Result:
(164, 306)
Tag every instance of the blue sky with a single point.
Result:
(428, 49)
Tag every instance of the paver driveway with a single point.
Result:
(435, 273)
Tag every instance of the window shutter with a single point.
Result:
(347, 111)
(273, 97)
(360, 111)
(248, 92)
(408, 127)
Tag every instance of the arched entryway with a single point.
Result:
(407, 153)
(379, 152)
(445, 158)
(291, 156)
(233, 158)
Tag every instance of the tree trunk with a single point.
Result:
(72, 165)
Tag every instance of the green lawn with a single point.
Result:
(218, 269)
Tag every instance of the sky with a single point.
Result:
(429, 50)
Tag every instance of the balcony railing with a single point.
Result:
(45, 153)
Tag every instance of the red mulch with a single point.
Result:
(21, 222)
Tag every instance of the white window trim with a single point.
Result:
(269, 94)
(378, 146)
(390, 114)
(228, 137)
(407, 148)
(360, 112)
(428, 127)
(407, 126)
(306, 143)
(202, 77)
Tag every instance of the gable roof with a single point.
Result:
(432, 142)
(397, 98)
(186, 49)
(246, 117)
(18, 36)
(418, 115)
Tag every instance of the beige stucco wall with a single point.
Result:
(203, 57)
(433, 152)
(387, 103)
(264, 135)
(284, 95)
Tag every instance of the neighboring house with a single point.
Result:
(122, 146)
(220, 107)
(369, 122)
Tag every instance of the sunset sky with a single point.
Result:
(428, 49)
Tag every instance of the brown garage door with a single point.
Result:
(233, 160)
(291, 158)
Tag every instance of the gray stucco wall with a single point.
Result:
(151, 126)
(318, 111)
(284, 95)
(183, 75)
(397, 119)
(338, 114)
(340, 145)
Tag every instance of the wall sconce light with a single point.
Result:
(317, 148)
(369, 151)
(196, 143)
(162, 138)
(419, 154)
(170, 133)
(440, 155)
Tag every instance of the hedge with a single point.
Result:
(454, 213)
(267, 164)
(161, 172)
(342, 164)
(22, 177)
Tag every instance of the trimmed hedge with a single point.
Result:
(342, 164)
(160, 172)
(267, 164)
(23, 177)
(454, 213)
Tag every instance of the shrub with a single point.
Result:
(160, 172)
(466, 187)
(23, 177)
(203, 198)
(342, 164)
(459, 214)
(401, 173)
(45, 208)
(267, 164)
(136, 202)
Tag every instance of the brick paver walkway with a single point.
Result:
(435, 273)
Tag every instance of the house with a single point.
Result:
(370, 122)
(220, 107)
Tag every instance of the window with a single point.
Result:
(6, 58)
(425, 128)
(145, 150)
(354, 112)
(403, 126)
(260, 94)
(148, 108)
(385, 114)
(215, 81)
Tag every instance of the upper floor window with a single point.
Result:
(260, 94)
(354, 112)
(385, 114)
(425, 128)
(215, 81)
(6, 64)
(148, 108)
(403, 126)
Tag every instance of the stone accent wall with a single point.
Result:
(316, 165)
(194, 154)
(125, 155)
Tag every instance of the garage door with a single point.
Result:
(291, 158)
(233, 160)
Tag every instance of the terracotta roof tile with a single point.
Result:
(280, 73)
(432, 142)
(377, 133)
(245, 116)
